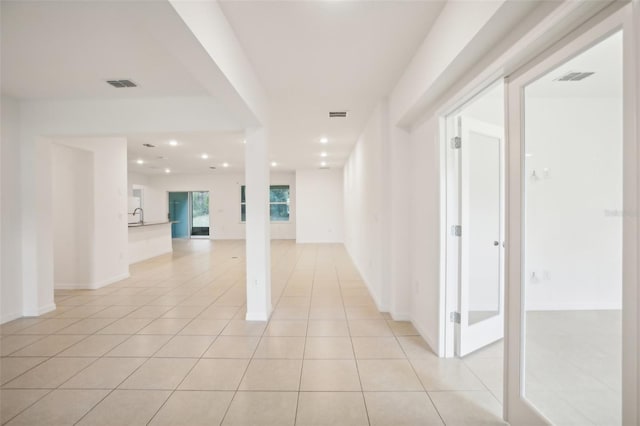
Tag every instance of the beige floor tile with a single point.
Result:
(403, 328)
(388, 375)
(290, 313)
(468, 408)
(327, 313)
(10, 368)
(126, 407)
(140, 346)
(328, 328)
(280, 347)
(60, 407)
(401, 409)
(105, 373)
(363, 312)
(331, 408)
(441, 374)
(114, 312)
(377, 348)
(96, 345)
(233, 347)
(159, 374)
(48, 326)
(80, 312)
(50, 374)
(215, 374)
(13, 401)
(272, 375)
(219, 312)
(149, 312)
(125, 326)
(193, 408)
(185, 347)
(10, 344)
(16, 325)
(49, 346)
(183, 312)
(165, 326)
(286, 328)
(329, 375)
(204, 327)
(416, 348)
(86, 326)
(328, 348)
(366, 328)
(262, 408)
(244, 328)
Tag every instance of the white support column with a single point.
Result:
(258, 236)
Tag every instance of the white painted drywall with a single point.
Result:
(73, 216)
(11, 217)
(107, 234)
(224, 200)
(319, 206)
(574, 209)
(363, 204)
(150, 241)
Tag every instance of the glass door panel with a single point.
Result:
(200, 213)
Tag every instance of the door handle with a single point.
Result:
(495, 243)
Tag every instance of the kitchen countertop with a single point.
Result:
(140, 225)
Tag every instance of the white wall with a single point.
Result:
(73, 216)
(574, 210)
(363, 182)
(224, 200)
(107, 234)
(319, 206)
(11, 248)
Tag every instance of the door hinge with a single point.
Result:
(455, 317)
(456, 142)
(456, 231)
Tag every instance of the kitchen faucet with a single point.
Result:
(141, 214)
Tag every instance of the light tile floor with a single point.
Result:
(170, 346)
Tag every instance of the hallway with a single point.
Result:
(170, 345)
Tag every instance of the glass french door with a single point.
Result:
(572, 241)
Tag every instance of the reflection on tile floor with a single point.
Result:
(170, 346)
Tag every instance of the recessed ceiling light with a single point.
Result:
(323, 164)
(244, 141)
(323, 154)
(324, 140)
(173, 142)
(225, 164)
(204, 156)
(140, 161)
(167, 170)
(274, 164)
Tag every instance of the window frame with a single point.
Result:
(243, 203)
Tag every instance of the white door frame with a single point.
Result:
(516, 409)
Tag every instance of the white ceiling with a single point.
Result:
(311, 57)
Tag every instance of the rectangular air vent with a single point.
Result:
(574, 76)
(337, 114)
(122, 83)
(148, 145)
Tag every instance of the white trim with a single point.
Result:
(517, 409)
(425, 336)
(403, 316)
(40, 311)
(10, 317)
(91, 286)
(257, 316)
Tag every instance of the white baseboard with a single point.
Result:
(41, 310)
(91, 286)
(10, 317)
(257, 316)
(400, 316)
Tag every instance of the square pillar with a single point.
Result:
(258, 235)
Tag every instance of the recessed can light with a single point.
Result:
(324, 140)
(225, 164)
(204, 156)
(323, 164)
(323, 154)
(167, 170)
(274, 164)
(173, 142)
(140, 161)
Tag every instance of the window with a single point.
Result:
(278, 203)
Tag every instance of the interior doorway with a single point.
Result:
(189, 214)
(475, 222)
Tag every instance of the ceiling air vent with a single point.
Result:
(122, 83)
(148, 145)
(574, 76)
(212, 167)
(337, 114)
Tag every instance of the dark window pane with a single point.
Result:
(242, 195)
(279, 193)
(243, 212)
(279, 212)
